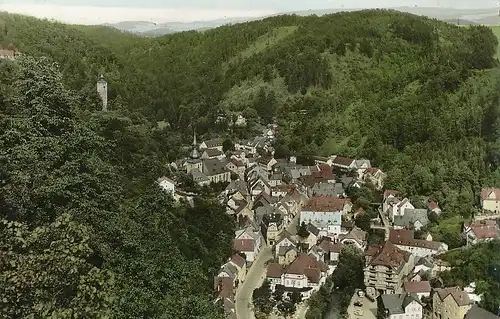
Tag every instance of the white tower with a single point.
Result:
(102, 90)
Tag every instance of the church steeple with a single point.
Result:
(194, 153)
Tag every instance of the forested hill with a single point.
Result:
(417, 96)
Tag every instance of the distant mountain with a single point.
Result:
(450, 15)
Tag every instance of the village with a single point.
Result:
(294, 221)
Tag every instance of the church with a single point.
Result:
(206, 170)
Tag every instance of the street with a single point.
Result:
(255, 278)
(368, 309)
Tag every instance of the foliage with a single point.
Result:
(348, 276)
(46, 272)
(262, 298)
(479, 264)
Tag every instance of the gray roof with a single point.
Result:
(423, 261)
(396, 303)
(360, 163)
(312, 229)
(410, 217)
(231, 270)
(284, 249)
(327, 189)
(213, 166)
(198, 176)
(479, 313)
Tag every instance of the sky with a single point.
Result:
(160, 11)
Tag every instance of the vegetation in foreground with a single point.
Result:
(417, 96)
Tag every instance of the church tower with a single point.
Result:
(194, 160)
(102, 90)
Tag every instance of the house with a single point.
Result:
(471, 292)
(325, 213)
(166, 184)
(266, 162)
(400, 306)
(400, 208)
(287, 254)
(280, 191)
(412, 218)
(7, 54)
(450, 303)
(326, 189)
(228, 270)
(489, 199)
(332, 250)
(224, 288)
(305, 275)
(343, 163)
(240, 263)
(272, 226)
(374, 176)
(361, 166)
(199, 178)
(285, 240)
(251, 233)
(433, 207)
(355, 237)
(243, 210)
(404, 239)
(420, 288)
(236, 166)
(390, 197)
(276, 179)
(213, 143)
(480, 231)
(476, 312)
(212, 153)
(386, 268)
(312, 237)
(216, 171)
(247, 247)
(246, 145)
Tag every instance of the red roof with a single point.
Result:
(326, 204)
(274, 270)
(328, 246)
(433, 205)
(387, 255)
(390, 192)
(417, 287)
(342, 161)
(396, 235)
(485, 193)
(238, 260)
(224, 287)
(303, 262)
(372, 170)
(244, 245)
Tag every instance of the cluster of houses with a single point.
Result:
(266, 195)
(398, 272)
(8, 54)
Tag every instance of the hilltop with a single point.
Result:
(417, 96)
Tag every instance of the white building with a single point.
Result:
(325, 213)
(420, 288)
(166, 184)
(102, 90)
(401, 306)
(404, 240)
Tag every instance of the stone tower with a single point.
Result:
(102, 90)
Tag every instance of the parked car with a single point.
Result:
(358, 304)
(361, 293)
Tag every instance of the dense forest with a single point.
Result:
(417, 96)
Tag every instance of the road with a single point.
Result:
(369, 308)
(255, 278)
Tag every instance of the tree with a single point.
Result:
(262, 298)
(302, 230)
(46, 271)
(363, 221)
(287, 308)
(349, 274)
(227, 145)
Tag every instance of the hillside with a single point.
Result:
(417, 96)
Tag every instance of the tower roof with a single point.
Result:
(194, 153)
(101, 78)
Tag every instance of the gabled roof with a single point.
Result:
(417, 287)
(387, 255)
(460, 296)
(286, 235)
(274, 270)
(476, 312)
(432, 205)
(213, 166)
(396, 303)
(312, 229)
(390, 192)
(307, 265)
(329, 246)
(244, 245)
(484, 229)
(238, 260)
(339, 160)
(411, 216)
(212, 152)
(213, 142)
(404, 237)
(490, 192)
(326, 204)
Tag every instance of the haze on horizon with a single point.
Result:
(160, 11)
